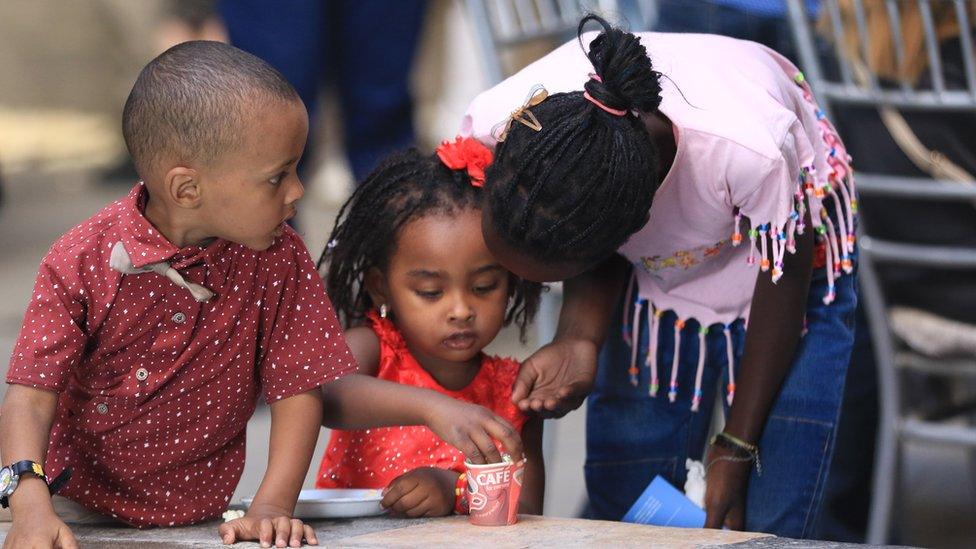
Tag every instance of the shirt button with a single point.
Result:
(102, 408)
(142, 374)
(179, 318)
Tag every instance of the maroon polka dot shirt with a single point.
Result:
(156, 388)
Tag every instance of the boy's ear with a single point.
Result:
(182, 185)
(376, 286)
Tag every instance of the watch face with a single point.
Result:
(6, 481)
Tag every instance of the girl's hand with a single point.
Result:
(557, 378)
(725, 491)
(423, 492)
(472, 429)
(269, 525)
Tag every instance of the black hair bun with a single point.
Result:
(620, 60)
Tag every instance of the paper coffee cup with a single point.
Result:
(493, 492)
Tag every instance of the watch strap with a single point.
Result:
(34, 468)
(59, 481)
(28, 466)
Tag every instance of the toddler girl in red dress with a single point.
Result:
(421, 295)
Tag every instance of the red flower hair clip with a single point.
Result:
(466, 153)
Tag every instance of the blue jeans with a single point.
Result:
(632, 437)
(365, 47)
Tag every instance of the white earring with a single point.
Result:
(384, 311)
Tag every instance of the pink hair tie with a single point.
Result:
(615, 112)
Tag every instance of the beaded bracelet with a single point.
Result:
(741, 450)
(461, 495)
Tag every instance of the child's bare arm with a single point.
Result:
(25, 426)
(534, 486)
(362, 402)
(294, 430)
(365, 348)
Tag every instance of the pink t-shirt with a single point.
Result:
(753, 153)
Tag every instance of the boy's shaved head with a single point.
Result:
(191, 103)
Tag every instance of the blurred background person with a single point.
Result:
(364, 48)
(762, 21)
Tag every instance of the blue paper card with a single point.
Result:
(664, 505)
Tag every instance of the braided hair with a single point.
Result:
(577, 189)
(404, 187)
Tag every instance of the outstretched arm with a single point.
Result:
(557, 378)
(360, 401)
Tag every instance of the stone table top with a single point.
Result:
(531, 531)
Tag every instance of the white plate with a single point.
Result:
(336, 503)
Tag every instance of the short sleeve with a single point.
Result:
(771, 196)
(52, 339)
(302, 343)
(767, 193)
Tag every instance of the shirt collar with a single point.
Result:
(145, 244)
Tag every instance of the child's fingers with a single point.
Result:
(297, 533)
(523, 384)
(485, 443)
(472, 454)
(231, 532)
(409, 500)
(66, 540)
(421, 508)
(400, 486)
(282, 526)
(503, 431)
(226, 533)
(265, 532)
(310, 537)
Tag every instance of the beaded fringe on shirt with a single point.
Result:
(771, 242)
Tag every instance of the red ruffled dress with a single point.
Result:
(372, 458)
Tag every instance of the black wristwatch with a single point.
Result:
(10, 476)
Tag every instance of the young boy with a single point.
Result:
(154, 325)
